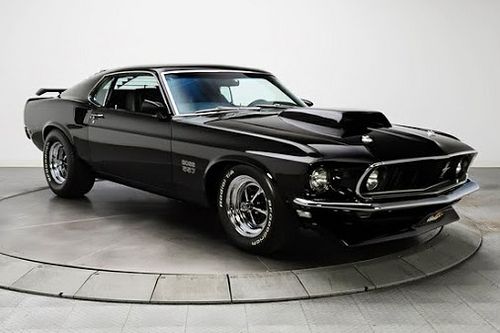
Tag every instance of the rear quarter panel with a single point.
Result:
(69, 116)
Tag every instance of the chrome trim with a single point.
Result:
(466, 189)
(169, 94)
(409, 160)
(176, 71)
(418, 191)
(294, 158)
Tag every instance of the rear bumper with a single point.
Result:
(440, 200)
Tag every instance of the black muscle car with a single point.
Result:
(236, 139)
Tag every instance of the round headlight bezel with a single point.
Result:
(373, 180)
(319, 180)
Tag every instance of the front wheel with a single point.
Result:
(66, 175)
(251, 212)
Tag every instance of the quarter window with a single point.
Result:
(100, 94)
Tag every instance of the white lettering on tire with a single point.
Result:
(223, 187)
(268, 226)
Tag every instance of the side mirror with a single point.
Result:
(307, 102)
(162, 114)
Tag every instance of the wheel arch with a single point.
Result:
(56, 126)
(216, 169)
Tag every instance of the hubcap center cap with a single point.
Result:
(245, 206)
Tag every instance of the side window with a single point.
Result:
(136, 81)
(136, 93)
(100, 94)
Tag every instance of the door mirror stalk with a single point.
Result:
(307, 102)
(162, 114)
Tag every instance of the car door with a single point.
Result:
(128, 139)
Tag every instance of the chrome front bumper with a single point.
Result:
(452, 196)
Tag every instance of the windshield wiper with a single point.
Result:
(276, 105)
(229, 108)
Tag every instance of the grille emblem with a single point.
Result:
(445, 170)
(366, 139)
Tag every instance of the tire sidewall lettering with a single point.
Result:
(222, 188)
(266, 231)
(46, 167)
(221, 204)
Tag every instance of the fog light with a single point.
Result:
(459, 168)
(319, 180)
(304, 213)
(372, 181)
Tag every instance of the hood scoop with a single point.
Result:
(348, 121)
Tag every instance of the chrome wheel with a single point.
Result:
(58, 163)
(247, 206)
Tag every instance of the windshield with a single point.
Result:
(195, 92)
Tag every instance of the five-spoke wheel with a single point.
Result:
(58, 163)
(252, 213)
(247, 206)
(67, 175)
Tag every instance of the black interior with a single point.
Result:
(144, 100)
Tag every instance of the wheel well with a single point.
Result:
(212, 178)
(48, 129)
(51, 128)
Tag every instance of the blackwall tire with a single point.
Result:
(243, 220)
(66, 174)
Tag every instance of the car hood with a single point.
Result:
(346, 134)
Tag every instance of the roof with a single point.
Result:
(175, 67)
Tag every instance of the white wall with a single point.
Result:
(430, 63)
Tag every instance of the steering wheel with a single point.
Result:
(258, 101)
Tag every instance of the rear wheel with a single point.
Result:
(252, 213)
(66, 175)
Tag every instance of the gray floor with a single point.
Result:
(119, 228)
(466, 298)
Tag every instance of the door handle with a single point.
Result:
(94, 116)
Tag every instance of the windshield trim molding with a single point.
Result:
(179, 71)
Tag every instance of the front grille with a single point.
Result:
(422, 176)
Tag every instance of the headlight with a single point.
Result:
(319, 180)
(372, 181)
